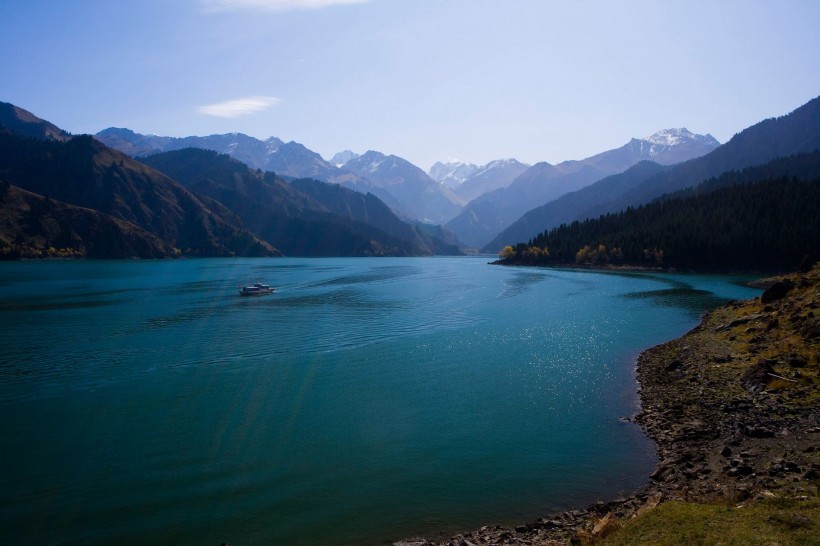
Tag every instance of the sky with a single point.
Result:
(446, 80)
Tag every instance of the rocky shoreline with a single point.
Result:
(734, 408)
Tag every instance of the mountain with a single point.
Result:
(469, 181)
(666, 147)
(794, 133)
(341, 158)
(33, 226)
(453, 173)
(272, 154)
(369, 209)
(575, 205)
(493, 211)
(84, 173)
(760, 218)
(415, 192)
(670, 146)
(131, 143)
(478, 223)
(16, 121)
(492, 176)
(294, 160)
(305, 217)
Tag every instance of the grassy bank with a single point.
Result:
(777, 520)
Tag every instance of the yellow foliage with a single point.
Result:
(506, 252)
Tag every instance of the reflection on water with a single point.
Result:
(377, 274)
(521, 281)
(680, 295)
(53, 305)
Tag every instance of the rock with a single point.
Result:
(757, 376)
(745, 470)
(758, 431)
(726, 451)
(810, 332)
(662, 473)
(774, 323)
(605, 526)
(674, 365)
(777, 291)
(652, 502)
(798, 362)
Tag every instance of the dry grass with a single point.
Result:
(781, 521)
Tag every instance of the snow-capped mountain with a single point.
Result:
(343, 157)
(452, 174)
(676, 137)
(491, 212)
(492, 176)
(249, 150)
(468, 180)
(440, 196)
(669, 146)
(418, 194)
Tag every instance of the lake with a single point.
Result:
(365, 401)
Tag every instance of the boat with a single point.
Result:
(256, 289)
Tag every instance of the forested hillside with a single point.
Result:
(90, 200)
(740, 220)
(304, 218)
(795, 133)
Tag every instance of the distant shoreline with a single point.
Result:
(762, 280)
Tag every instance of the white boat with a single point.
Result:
(256, 289)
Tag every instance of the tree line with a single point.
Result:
(765, 226)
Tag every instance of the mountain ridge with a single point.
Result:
(416, 193)
(84, 173)
(303, 204)
(795, 132)
(489, 214)
(294, 160)
(90, 190)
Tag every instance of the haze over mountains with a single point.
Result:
(470, 181)
(76, 195)
(487, 215)
(797, 132)
(267, 196)
(474, 202)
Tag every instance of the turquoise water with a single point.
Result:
(367, 400)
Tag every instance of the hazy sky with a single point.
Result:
(473, 80)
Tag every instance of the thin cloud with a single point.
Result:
(273, 5)
(238, 107)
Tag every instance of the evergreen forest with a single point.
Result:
(738, 221)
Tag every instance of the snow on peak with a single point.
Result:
(671, 137)
(677, 137)
(343, 157)
(453, 173)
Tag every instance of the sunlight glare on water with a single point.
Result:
(364, 401)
